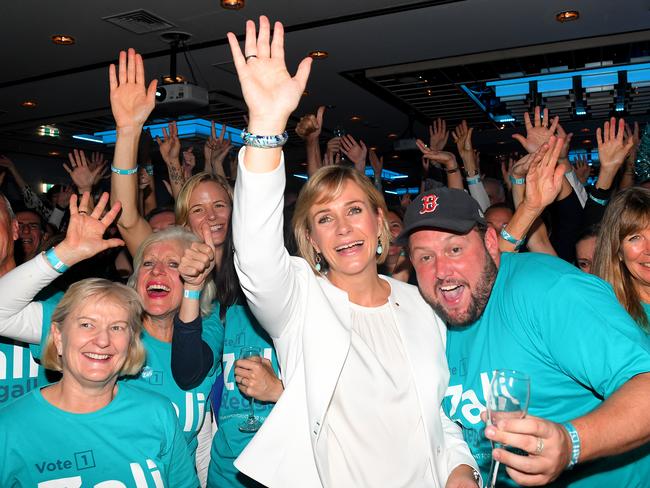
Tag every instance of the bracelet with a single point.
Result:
(512, 240)
(264, 142)
(599, 201)
(149, 169)
(192, 294)
(575, 444)
(452, 171)
(474, 180)
(517, 181)
(119, 171)
(58, 265)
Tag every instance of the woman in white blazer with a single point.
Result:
(362, 356)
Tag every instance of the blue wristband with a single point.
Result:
(58, 265)
(512, 240)
(474, 180)
(192, 294)
(575, 444)
(599, 201)
(264, 142)
(119, 171)
(517, 181)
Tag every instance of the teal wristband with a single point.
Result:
(149, 169)
(58, 265)
(474, 180)
(192, 294)
(599, 201)
(512, 240)
(264, 142)
(575, 444)
(517, 181)
(119, 171)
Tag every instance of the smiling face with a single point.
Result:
(209, 204)
(635, 253)
(93, 342)
(345, 231)
(159, 282)
(31, 233)
(455, 272)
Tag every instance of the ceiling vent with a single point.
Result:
(139, 21)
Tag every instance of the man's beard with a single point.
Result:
(479, 297)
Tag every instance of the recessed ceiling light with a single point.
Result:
(501, 142)
(395, 156)
(587, 141)
(63, 39)
(355, 118)
(54, 153)
(318, 54)
(392, 135)
(233, 4)
(373, 148)
(48, 131)
(29, 104)
(567, 16)
(169, 79)
(585, 129)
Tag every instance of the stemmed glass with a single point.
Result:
(507, 399)
(252, 423)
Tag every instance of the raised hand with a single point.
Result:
(505, 170)
(445, 158)
(539, 133)
(198, 261)
(215, 150)
(310, 126)
(377, 163)
(582, 168)
(355, 151)
(333, 148)
(85, 235)
(519, 168)
(189, 161)
(463, 138)
(170, 144)
(564, 154)
(83, 176)
(131, 100)
(612, 149)
(545, 175)
(270, 92)
(438, 134)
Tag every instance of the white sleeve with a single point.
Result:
(204, 439)
(456, 449)
(20, 316)
(478, 192)
(264, 267)
(573, 180)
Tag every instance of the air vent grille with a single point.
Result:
(139, 21)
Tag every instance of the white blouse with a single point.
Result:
(373, 430)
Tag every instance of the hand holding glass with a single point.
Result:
(252, 423)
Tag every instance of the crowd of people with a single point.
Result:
(244, 338)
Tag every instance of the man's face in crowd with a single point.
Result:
(31, 233)
(456, 272)
(498, 217)
(8, 232)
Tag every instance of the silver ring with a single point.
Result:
(250, 56)
(540, 446)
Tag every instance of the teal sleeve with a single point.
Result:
(48, 306)
(590, 336)
(181, 470)
(213, 336)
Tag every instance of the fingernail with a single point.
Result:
(490, 431)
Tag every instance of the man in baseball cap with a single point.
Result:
(538, 315)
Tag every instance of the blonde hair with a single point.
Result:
(627, 213)
(99, 289)
(326, 185)
(182, 208)
(185, 238)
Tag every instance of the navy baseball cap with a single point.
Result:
(446, 209)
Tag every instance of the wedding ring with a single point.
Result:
(540, 446)
(250, 56)
(83, 212)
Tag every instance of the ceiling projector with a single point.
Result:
(181, 97)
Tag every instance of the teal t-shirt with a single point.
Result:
(241, 329)
(19, 373)
(567, 331)
(135, 441)
(156, 376)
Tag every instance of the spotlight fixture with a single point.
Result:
(175, 79)
(28, 104)
(355, 118)
(567, 16)
(63, 40)
(233, 4)
(587, 141)
(392, 135)
(53, 153)
(318, 54)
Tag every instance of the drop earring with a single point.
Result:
(318, 266)
(380, 248)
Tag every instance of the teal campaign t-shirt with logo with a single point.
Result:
(135, 441)
(241, 330)
(19, 373)
(156, 376)
(568, 333)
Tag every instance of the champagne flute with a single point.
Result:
(507, 399)
(252, 423)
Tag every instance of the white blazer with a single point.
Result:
(309, 320)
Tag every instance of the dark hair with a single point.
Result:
(23, 208)
(158, 211)
(495, 206)
(587, 232)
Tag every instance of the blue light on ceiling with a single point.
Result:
(555, 85)
(620, 106)
(386, 174)
(600, 79)
(186, 129)
(581, 111)
(414, 190)
(503, 119)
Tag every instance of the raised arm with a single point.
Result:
(309, 129)
(131, 102)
